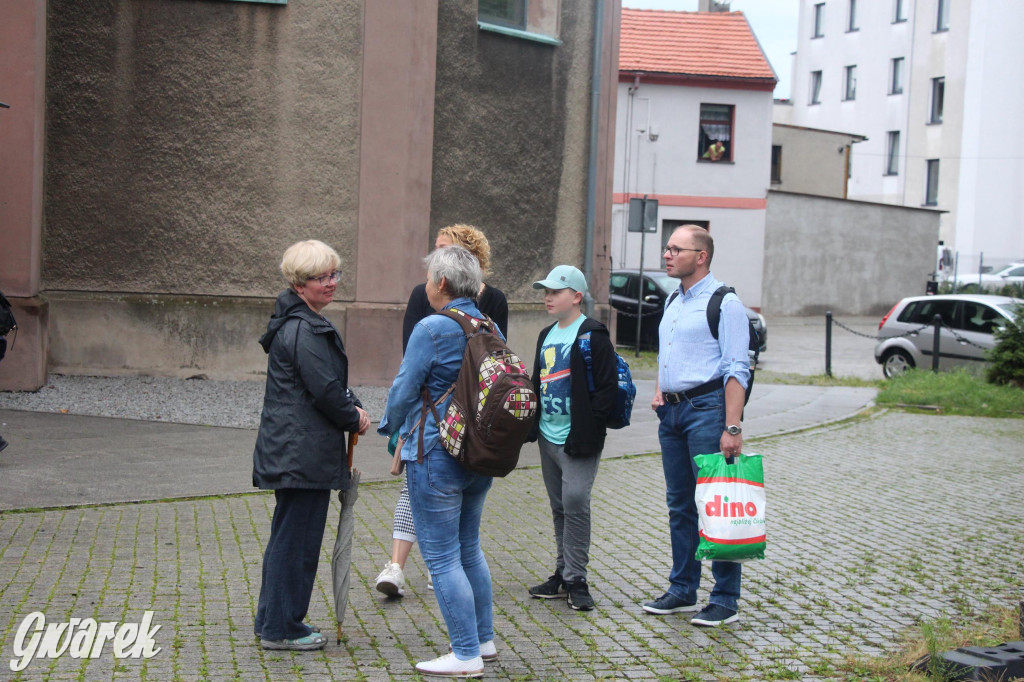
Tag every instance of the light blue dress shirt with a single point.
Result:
(688, 355)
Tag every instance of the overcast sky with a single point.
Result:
(774, 23)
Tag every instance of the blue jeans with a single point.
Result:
(447, 503)
(290, 562)
(689, 428)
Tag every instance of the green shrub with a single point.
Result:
(1008, 355)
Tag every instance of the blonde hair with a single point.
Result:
(306, 259)
(471, 239)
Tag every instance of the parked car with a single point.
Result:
(1008, 274)
(974, 318)
(657, 286)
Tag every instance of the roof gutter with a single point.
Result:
(595, 109)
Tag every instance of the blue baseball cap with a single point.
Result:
(563, 277)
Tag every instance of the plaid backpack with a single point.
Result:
(494, 405)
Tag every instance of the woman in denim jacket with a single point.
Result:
(447, 499)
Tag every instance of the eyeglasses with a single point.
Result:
(329, 278)
(675, 250)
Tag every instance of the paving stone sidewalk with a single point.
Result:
(873, 524)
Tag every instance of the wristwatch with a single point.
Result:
(733, 430)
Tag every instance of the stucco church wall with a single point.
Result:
(189, 143)
(511, 142)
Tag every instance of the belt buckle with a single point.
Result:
(672, 398)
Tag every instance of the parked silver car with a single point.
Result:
(910, 334)
(1012, 273)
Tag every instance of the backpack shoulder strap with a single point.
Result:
(672, 297)
(715, 308)
(470, 325)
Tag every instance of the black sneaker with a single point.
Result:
(579, 595)
(3, 444)
(549, 589)
(714, 615)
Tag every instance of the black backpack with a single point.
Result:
(714, 314)
(7, 321)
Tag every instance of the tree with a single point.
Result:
(1008, 355)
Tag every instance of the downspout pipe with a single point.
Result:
(595, 110)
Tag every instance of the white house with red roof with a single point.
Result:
(694, 131)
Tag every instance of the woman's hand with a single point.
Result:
(364, 420)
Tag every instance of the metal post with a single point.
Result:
(828, 343)
(640, 277)
(937, 326)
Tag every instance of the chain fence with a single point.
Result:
(913, 332)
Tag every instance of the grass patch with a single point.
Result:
(956, 392)
(791, 379)
(996, 625)
(647, 362)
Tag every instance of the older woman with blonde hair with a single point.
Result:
(492, 303)
(300, 449)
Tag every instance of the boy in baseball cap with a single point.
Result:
(575, 376)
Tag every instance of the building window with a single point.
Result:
(942, 16)
(537, 20)
(815, 87)
(938, 95)
(776, 164)
(931, 192)
(892, 153)
(510, 13)
(851, 83)
(851, 24)
(715, 134)
(900, 11)
(896, 78)
(819, 20)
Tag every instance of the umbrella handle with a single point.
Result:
(353, 438)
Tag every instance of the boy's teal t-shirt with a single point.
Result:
(555, 419)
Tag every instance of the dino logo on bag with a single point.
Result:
(722, 507)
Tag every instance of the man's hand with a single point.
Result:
(731, 445)
(364, 420)
(657, 401)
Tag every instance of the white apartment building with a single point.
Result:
(937, 87)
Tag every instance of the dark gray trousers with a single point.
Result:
(569, 481)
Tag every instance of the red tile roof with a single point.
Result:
(715, 44)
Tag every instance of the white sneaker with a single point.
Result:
(391, 580)
(488, 651)
(449, 665)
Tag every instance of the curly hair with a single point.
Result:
(471, 239)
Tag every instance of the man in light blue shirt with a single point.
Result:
(699, 400)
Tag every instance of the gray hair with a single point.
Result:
(459, 268)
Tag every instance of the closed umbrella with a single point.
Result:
(341, 557)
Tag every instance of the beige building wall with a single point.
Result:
(813, 161)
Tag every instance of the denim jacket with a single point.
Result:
(432, 359)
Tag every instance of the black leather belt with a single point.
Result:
(703, 389)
